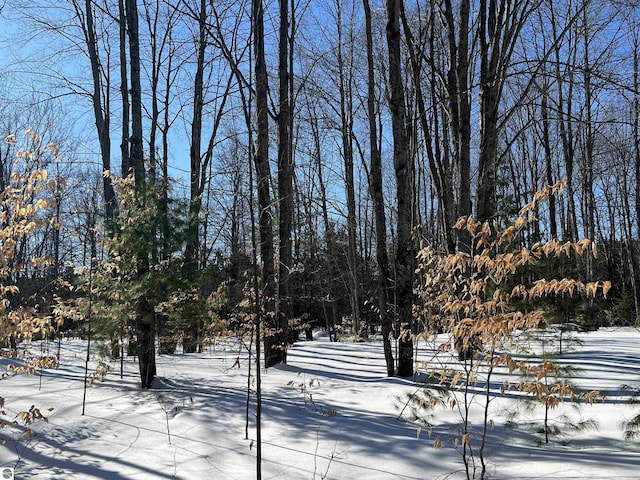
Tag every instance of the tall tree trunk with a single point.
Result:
(156, 53)
(137, 147)
(145, 314)
(375, 186)
(125, 163)
(346, 132)
(440, 171)
(329, 238)
(195, 155)
(500, 23)
(403, 165)
(636, 162)
(196, 189)
(101, 109)
(458, 90)
(587, 170)
(548, 156)
(565, 126)
(285, 191)
(160, 29)
(263, 180)
(164, 197)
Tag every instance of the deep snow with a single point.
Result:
(330, 413)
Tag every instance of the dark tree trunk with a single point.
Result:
(403, 164)
(285, 193)
(145, 321)
(500, 24)
(548, 155)
(101, 112)
(635, 282)
(565, 126)
(137, 148)
(346, 131)
(261, 161)
(440, 171)
(192, 246)
(589, 207)
(375, 186)
(195, 194)
(489, 99)
(124, 92)
(146, 345)
(457, 84)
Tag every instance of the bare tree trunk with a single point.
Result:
(636, 158)
(152, 17)
(101, 109)
(403, 164)
(196, 189)
(145, 314)
(285, 189)
(346, 132)
(548, 156)
(125, 163)
(440, 171)
(261, 160)
(375, 186)
(164, 198)
(500, 24)
(329, 238)
(570, 228)
(636, 123)
(587, 169)
(195, 195)
(460, 109)
(137, 147)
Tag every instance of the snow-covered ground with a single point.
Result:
(331, 413)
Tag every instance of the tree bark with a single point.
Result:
(195, 192)
(500, 24)
(285, 191)
(137, 147)
(263, 173)
(101, 110)
(145, 312)
(548, 155)
(346, 133)
(196, 187)
(125, 163)
(565, 127)
(440, 171)
(403, 165)
(457, 81)
(377, 196)
(588, 155)
(636, 163)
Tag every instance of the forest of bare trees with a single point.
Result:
(242, 164)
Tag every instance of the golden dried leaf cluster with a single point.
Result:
(24, 207)
(479, 296)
